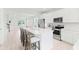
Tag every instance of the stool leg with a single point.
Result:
(38, 45)
(35, 46)
(25, 45)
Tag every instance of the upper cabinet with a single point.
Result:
(68, 14)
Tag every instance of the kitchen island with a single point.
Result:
(45, 36)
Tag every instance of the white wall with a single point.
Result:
(3, 31)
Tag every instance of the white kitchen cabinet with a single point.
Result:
(70, 20)
(75, 37)
(70, 33)
(67, 36)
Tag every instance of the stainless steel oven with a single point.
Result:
(57, 32)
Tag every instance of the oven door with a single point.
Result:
(56, 34)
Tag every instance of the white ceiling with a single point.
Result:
(32, 10)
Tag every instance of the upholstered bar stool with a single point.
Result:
(32, 42)
(35, 43)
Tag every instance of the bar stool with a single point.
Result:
(31, 41)
(35, 43)
(22, 36)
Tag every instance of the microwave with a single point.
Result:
(58, 20)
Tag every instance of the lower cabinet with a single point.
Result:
(67, 36)
(75, 37)
(70, 36)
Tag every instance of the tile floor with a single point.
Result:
(60, 45)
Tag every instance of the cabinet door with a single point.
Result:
(75, 37)
(67, 36)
